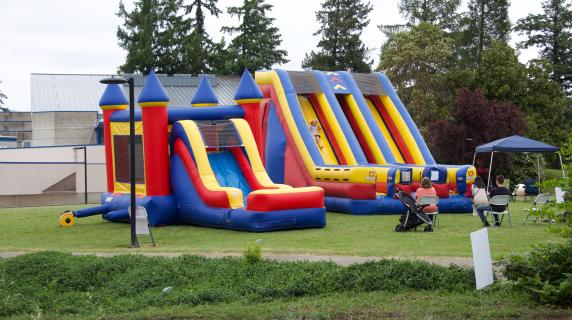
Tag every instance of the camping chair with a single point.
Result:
(430, 200)
(142, 223)
(537, 206)
(530, 187)
(502, 200)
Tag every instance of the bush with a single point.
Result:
(252, 254)
(545, 273)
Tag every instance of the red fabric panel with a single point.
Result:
(328, 129)
(381, 187)
(355, 128)
(156, 150)
(285, 201)
(404, 187)
(218, 199)
(415, 186)
(252, 116)
(246, 169)
(293, 173)
(393, 129)
(442, 189)
(108, 149)
(469, 192)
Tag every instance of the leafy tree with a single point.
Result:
(551, 31)
(342, 23)
(417, 61)
(439, 12)
(200, 52)
(256, 45)
(500, 74)
(485, 21)
(2, 98)
(476, 118)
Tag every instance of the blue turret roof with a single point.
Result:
(247, 88)
(113, 96)
(153, 90)
(205, 93)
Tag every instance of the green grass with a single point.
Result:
(33, 229)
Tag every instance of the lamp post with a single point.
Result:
(133, 205)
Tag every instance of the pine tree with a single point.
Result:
(257, 41)
(342, 23)
(439, 12)
(199, 50)
(486, 21)
(551, 31)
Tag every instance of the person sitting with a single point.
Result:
(500, 190)
(426, 189)
(315, 131)
(479, 193)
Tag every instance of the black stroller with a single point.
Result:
(414, 216)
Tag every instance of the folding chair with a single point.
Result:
(500, 201)
(430, 200)
(142, 223)
(559, 193)
(537, 206)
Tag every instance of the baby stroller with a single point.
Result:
(414, 216)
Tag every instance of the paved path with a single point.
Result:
(341, 260)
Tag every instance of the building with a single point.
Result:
(15, 128)
(65, 106)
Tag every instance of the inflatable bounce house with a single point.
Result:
(295, 142)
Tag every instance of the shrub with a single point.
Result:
(252, 254)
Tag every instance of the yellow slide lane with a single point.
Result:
(309, 115)
(385, 132)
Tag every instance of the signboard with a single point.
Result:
(337, 83)
(482, 258)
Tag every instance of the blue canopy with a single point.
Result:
(516, 144)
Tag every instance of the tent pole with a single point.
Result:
(538, 171)
(490, 169)
(474, 158)
(562, 165)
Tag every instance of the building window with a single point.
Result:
(121, 152)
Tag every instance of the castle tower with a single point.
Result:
(204, 96)
(249, 96)
(112, 100)
(153, 101)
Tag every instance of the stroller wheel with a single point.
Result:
(398, 228)
(428, 229)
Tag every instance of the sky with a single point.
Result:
(70, 36)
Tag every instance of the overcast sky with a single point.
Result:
(70, 36)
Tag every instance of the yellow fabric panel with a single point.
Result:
(417, 174)
(365, 130)
(122, 128)
(381, 125)
(208, 177)
(403, 130)
(336, 129)
(326, 152)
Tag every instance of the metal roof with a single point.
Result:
(81, 92)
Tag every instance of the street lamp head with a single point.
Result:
(113, 80)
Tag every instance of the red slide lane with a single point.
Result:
(329, 133)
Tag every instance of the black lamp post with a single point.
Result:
(130, 81)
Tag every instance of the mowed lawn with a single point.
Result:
(33, 229)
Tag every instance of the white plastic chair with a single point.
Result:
(142, 223)
(501, 200)
(538, 205)
(430, 200)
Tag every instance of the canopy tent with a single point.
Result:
(516, 144)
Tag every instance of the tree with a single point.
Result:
(342, 23)
(416, 61)
(551, 31)
(438, 12)
(257, 41)
(485, 21)
(2, 98)
(473, 117)
(199, 51)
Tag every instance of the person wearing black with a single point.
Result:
(498, 191)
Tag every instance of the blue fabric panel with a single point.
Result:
(301, 125)
(161, 210)
(92, 211)
(275, 146)
(188, 113)
(461, 175)
(247, 88)
(153, 90)
(204, 93)
(228, 172)
(341, 118)
(364, 108)
(406, 117)
(516, 144)
(441, 171)
(113, 95)
(382, 205)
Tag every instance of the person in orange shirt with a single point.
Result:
(426, 189)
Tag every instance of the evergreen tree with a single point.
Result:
(342, 23)
(439, 12)
(257, 41)
(2, 98)
(486, 21)
(551, 31)
(199, 50)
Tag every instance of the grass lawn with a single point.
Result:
(33, 229)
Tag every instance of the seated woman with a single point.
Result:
(426, 189)
(479, 193)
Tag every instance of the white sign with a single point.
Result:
(434, 175)
(482, 258)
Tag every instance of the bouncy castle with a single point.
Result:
(258, 165)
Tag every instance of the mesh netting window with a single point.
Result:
(219, 134)
(369, 84)
(121, 153)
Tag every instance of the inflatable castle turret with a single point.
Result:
(204, 96)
